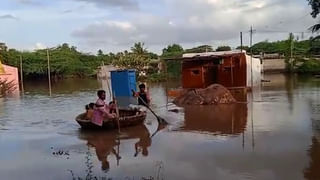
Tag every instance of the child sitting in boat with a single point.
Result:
(89, 110)
(143, 96)
(101, 110)
(112, 107)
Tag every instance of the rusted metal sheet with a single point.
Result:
(193, 75)
(229, 71)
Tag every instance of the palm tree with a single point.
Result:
(139, 49)
(315, 5)
(315, 28)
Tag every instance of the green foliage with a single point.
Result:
(139, 49)
(138, 58)
(246, 48)
(172, 51)
(223, 48)
(314, 46)
(300, 48)
(200, 49)
(173, 67)
(172, 48)
(100, 53)
(315, 5)
(270, 47)
(152, 55)
(309, 66)
(64, 61)
(157, 77)
(132, 61)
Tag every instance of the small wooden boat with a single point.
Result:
(127, 118)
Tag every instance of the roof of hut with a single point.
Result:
(207, 55)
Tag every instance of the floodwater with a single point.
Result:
(277, 136)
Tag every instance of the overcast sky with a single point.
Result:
(114, 25)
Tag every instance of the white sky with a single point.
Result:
(114, 25)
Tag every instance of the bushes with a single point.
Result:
(157, 77)
(309, 66)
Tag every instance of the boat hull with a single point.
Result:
(127, 118)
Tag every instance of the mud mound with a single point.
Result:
(214, 94)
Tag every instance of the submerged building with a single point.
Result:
(233, 69)
(228, 68)
(10, 75)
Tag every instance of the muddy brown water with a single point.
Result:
(275, 137)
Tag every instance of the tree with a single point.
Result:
(246, 48)
(139, 49)
(223, 48)
(172, 51)
(172, 48)
(132, 60)
(4, 52)
(100, 52)
(152, 55)
(200, 49)
(314, 45)
(315, 5)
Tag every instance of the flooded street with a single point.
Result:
(275, 137)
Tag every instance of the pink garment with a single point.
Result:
(100, 111)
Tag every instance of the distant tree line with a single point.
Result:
(67, 61)
(304, 48)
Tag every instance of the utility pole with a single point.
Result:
(251, 33)
(251, 61)
(291, 51)
(21, 75)
(252, 97)
(49, 73)
(241, 42)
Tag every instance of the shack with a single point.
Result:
(228, 68)
(233, 69)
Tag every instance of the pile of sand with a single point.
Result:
(214, 94)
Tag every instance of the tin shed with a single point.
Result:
(228, 68)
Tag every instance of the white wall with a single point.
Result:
(256, 71)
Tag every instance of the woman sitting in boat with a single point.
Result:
(101, 110)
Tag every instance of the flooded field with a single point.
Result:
(277, 136)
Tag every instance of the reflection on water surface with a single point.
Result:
(275, 137)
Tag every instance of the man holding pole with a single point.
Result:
(143, 96)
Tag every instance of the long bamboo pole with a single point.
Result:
(117, 111)
(251, 61)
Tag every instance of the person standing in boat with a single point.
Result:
(143, 96)
(101, 110)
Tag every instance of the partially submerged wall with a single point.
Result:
(255, 78)
(274, 65)
(11, 75)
